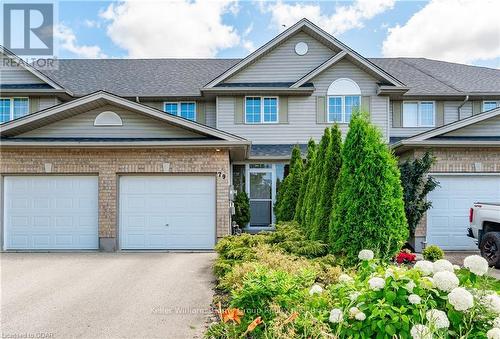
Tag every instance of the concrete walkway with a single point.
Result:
(105, 295)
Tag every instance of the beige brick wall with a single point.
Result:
(109, 164)
(459, 160)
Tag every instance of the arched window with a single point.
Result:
(108, 118)
(344, 97)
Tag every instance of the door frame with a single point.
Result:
(152, 174)
(249, 171)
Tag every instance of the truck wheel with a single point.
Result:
(490, 248)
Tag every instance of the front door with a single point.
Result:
(261, 194)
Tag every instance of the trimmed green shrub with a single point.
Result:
(368, 210)
(287, 198)
(433, 253)
(328, 178)
(299, 210)
(242, 209)
(416, 185)
(311, 198)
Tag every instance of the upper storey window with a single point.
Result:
(419, 114)
(344, 98)
(186, 110)
(260, 110)
(487, 105)
(13, 108)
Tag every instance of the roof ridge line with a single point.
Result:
(430, 75)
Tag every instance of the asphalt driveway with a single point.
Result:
(105, 295)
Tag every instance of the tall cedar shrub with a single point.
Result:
(416, 185)
(368, 209)
(242, 209)
(285, 206)
(328, 177)
(314, 182)
(311, 148)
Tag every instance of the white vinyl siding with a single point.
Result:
(210, 114)
(485, 128)
(419, 114)
(13, 74)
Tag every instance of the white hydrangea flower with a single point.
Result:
(354, 296)
(376, 283)
(353, 311)
(491, 302)
(366, 255)
(427, 282)
(445, 281)
(420, 331)
(360, 316)
(476, 264)
(389, 273)
(424, 266)
(456, 267)
(494, 333)
(442, 265)
(344, 278)
(461, 299)
(438, 318)
(414, 299)
(336, 316)
(496, 322)
(410, 286)
(315, 289)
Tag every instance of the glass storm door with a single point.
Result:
(261, 192)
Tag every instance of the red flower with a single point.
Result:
(405, 258)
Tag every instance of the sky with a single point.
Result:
(464, 31)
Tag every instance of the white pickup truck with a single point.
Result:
(484, 221)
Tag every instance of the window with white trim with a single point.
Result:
(13, 108)
(261, 110)
(185, 109)
(490, 104)
(344, 98)
(419, 114)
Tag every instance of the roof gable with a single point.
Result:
(319, 34)
(27, 125)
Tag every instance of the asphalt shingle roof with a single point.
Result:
(185, 77)
(274, 150)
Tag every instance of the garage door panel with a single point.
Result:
(51, 212)
(178, 212)
(448, 219)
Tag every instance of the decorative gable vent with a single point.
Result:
(108, 118)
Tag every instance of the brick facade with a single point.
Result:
(108, 164)
(458, 160)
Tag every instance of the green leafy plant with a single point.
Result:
(329, 174)
(416, 185)
(289, 191)
(242, 209)
(299, 209)
(433, 253)
(368, 208)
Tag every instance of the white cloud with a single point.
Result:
(248, 45)
(92, 23)
(181, 28)
(67, 41)
(343, 19)
(459, 31)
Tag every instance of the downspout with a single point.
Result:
(137, 100)
(461, 105)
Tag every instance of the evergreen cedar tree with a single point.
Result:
(314, 182)
(311, 149)
(416, 185)
(368, 211)
(329, 173)
(287, 198)
(241, 209)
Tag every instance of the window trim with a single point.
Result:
(342, 105)
(11, 108)
(262, 97)
(485, 101)
(178, 103)
(418, 102)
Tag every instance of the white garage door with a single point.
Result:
(167, 212)
(448, 219)
(50, 212)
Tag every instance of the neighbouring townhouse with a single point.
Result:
(140, 154)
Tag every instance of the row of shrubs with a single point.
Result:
(347, 194)
(282, 285)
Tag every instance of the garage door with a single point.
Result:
(167, 212)
(448, 219)
(50, 212)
